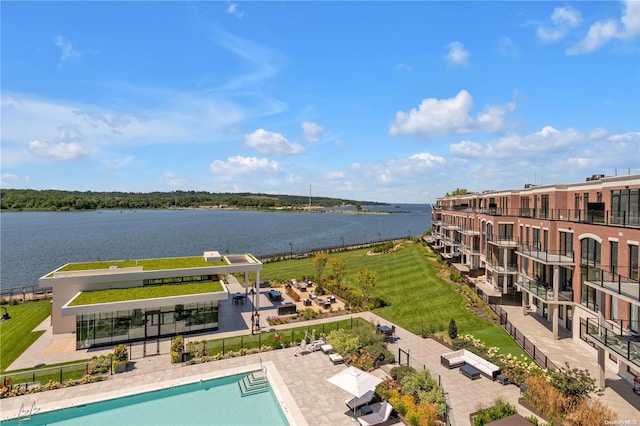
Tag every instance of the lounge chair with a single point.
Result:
(380, 416)
(354, 403)
(302, 348)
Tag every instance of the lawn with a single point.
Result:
(17, 334)
(408, 282)
(145, 292)
(146, 264)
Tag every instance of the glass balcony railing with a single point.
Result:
(501, 240)
(545, 256)
(614, 283)
(600, 217)
(618, 337)
(543, 290)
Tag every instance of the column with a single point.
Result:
(246, 283)
(555, 287)
(525, 299)
(601, 369)
(505, 263)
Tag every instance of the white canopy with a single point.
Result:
(355, 381)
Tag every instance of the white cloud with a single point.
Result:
(267, 142)
(239, 165)
(233, 9)
(334, 175)
(117, 163)
(59, 151)
(566, 15)
(173, 180)
(8, 179)
(601, 32)
(457, 56)
(426, 159)
(435, 117)
(404, 67)
(507, 47)
(312, 132)
(563, 19)
(66, 49)
(539, 144)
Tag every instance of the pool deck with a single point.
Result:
(300, 381)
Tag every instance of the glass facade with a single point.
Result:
(138, 324)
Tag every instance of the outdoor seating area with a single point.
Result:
(464, 359)
(388, 332)
(377, 417)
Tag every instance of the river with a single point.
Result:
(33, 244)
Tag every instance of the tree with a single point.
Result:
(359, 207)
(319, 262)
(453, 329)
(573, 383)
(458, 191)
(338, 269)
(366, 279)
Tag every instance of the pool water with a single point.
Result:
(212, 402)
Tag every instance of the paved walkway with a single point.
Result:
(309, 398)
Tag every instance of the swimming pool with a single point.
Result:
(215, 401)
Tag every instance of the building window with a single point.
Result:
(633, 262)
(536, 239)
(544, 208)
(546, 240)
(505, 231)
(590, 252)
(633, 316)
(613, 256)
(625, 207)
(561, 312)
(566, 243)
(614, 308)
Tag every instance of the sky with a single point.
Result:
(397, 102)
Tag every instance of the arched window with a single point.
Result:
(590, 252)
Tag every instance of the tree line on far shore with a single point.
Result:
(56, 200)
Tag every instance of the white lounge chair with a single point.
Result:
(302, 348)
(364, 399)
(381, 416)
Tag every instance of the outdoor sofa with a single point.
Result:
(457, 358)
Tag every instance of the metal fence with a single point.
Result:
(41, 376)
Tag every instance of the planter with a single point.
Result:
(531, 408)
(121, 368)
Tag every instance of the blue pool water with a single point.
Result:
(210, 402)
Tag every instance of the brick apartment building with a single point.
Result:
(569, 251)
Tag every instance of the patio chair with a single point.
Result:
(380, 416)
(302, 348)
(354, 402)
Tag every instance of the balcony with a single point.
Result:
(548, 257)
(502, 240)
(612, 283)
(598, 217)
(542, 290)
(500, 268)
(617, 338)
(469, 231)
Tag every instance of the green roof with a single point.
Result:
(147, 264)
(147, 292)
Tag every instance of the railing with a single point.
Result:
(601, 217)
(527, 345)
(555, 256)
(25, 293)
(501, 239)
(597, 277)
(41, 376)
(616, 337)
(543, 290)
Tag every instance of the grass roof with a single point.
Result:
(147, 264)
(147, 292)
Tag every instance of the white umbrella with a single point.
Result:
(355, 381)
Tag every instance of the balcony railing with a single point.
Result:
(501, 240)
(499, 267)
(600, 217)
(543, 290)
(619, 338)
(615, 283)
(545, 256)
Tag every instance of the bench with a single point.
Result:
(461, 357)
(288, 308)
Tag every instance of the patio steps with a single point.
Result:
(253, 383)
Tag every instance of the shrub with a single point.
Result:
(544, 397)
(343, 342)
(499, 410)
(120, 353)
(591, 412)
(573, 383)
(453, 329)
(397, 373)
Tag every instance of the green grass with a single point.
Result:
(408, 281)
(147, 264)
(147, 292)
(16, 335)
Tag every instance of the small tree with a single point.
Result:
(366, 279)
(338, 269)
(319, 262)
(453, 329)
(573, 383)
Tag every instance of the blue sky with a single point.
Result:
(381, 101)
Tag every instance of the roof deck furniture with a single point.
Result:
(363, 400)
(274, 295)
(502, 379)
(461, 357)
(377, 417)
(326, 348)
(470, 371)
(336, 358)
(288, 308)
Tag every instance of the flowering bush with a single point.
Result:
(384, 389)
(361, 359)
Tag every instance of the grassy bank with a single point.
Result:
(408, 281)
(17, 334)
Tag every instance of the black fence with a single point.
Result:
(25, 293)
